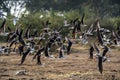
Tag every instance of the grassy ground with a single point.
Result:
(76, 66)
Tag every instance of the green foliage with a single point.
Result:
(110, 23)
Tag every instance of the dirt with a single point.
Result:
(76, 66)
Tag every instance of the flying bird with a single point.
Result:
(100, 64)
(91, 52)
(38, 55)
(24, 56)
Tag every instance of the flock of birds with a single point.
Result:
(48, 40)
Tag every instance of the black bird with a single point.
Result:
(100, 57)
(27, 32)
(21, 49)
(91, 52)
(24, 56)
(3, 25)
(13, 36)
(75, 22)
(80, 23)
(96, 49)
(9, 29)
(20, 38)
(38, 54)
(99, 35)
(116, 38)
(100, 65)
(49, 44)
(90, 30)
(82, 19)
(69, 46)
(106, 49)
(9, 36)
(12, 42)
(46, 51)
(61, 53)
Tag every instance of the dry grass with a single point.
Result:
(76, 66)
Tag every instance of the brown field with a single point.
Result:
(76, 66)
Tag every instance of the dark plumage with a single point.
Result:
(38, 54)
(21, 49)
(3, 24)
(99, 35)
(104, 53)
(46, 51)
(9, 29)
(24, 55)
(97, 50)
(100, 65)
(91, 52)
(12, 42)
(13, 36)
(69, 47)
(20, 38)
(9, 36)
(61, 53)
(39, 60)
(82, 19)
(27, 32)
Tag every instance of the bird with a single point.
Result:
(96, 49)
(20, 38)
(12, 42)
(2, 28)
(38, 55)
(90, 30)
(26, 35)
(46, 51)
(75, 28)
(91, 50)
(12, 37)
(106, 49)
(21, 49)
(61, 52)
(24, 56)
(69, 46)
(99, 36)
(100, 64)
(9, 29)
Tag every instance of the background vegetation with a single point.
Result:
(38, 11)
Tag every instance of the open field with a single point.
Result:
(76, 66)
